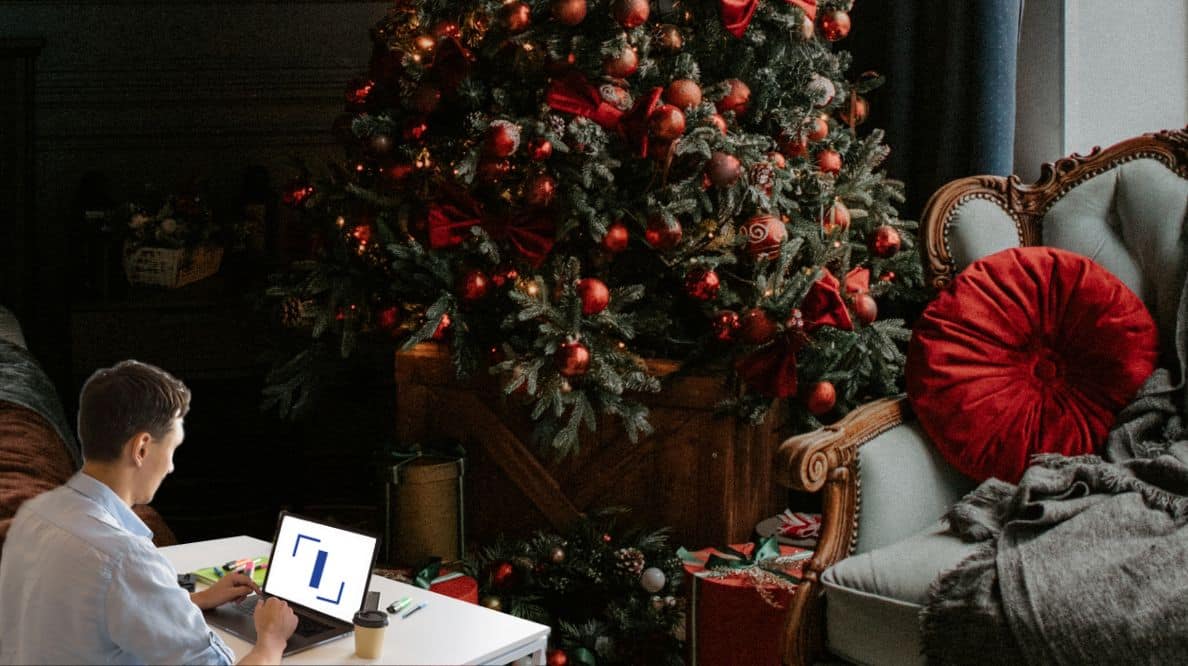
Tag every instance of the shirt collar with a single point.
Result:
(106, 498)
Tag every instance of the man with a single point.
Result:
(80, 579)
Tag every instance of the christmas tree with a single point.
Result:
(559, 189)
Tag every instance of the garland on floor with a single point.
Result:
(609, 595)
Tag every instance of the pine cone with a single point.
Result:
(629, 560)
(292, 312)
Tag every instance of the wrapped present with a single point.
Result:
(433, 577)
(792, 528)
(739, 600)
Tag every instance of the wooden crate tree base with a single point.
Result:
(708, 478)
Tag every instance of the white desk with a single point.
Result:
(446, 631)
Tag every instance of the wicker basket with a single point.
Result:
(171, 268)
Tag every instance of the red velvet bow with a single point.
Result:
(450, 223)
(634, 125)
(737, 14)
(572, 93)
(530, 233)
(823, 305)
(771, 370)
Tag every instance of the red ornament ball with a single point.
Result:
(443, 326)
(794, 144)
(886, 241)
(474, 286)
(702, 284)
(777, 159)
(569, 12)
(388, 318)
(540, 149)
(594, 294)
(736, 99)
(622, 65)
(631, 13)
(821, 398)
(829, 161)
(515, 16)
(503, 138)
(765, 234)
(855, 112)
(616, 238)
(837, 217)
(572, 359)
(889, 276)
(539, 190)
(725, 325)
(866, 308)
(719, 122)
(723, 170)
(398, 172)
(756, 327)
(683, 93)
(556, 657)
(670, 38)
(667, 122)
(503, 574)
(818, 128)
(662, 236)
(835, 25)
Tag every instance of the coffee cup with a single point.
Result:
(369, 633)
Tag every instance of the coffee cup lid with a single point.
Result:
(371, 619)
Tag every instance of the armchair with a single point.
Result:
(884, 485)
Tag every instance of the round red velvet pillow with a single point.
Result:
(1030, 350)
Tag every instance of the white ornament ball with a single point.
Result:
(821, 90)
(652, 580)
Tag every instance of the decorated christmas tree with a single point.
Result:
(561, 189)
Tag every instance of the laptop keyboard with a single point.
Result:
(306, 626)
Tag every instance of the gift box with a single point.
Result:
(739, 601)
(450, 583)
(792, 528)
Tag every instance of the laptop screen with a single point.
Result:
(320, 567)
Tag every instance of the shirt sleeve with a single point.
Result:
(151, 617)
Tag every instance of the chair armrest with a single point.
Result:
(827, 460)
(804, 462)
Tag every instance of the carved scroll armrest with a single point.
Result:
(827, 459)
(804, 462)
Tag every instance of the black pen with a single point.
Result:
(414, 609)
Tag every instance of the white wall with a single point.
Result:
(1121, 68)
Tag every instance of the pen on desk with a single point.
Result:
(414, 609)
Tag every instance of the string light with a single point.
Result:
(340, 222)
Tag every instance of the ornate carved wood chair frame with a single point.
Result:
(827, 459)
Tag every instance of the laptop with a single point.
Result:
(322, 571)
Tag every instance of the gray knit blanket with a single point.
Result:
(1085, 561)
(24, 383)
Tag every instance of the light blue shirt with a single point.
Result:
(82, 583)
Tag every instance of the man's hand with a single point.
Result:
(275, 622)
(232, 587)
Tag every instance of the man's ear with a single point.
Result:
(138, 447)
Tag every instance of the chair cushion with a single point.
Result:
(1030, 350)
(873, 600)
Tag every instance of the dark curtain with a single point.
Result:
(948, 106)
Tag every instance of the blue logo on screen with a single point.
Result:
(315, 578)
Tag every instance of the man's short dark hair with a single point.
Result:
(130, 397)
